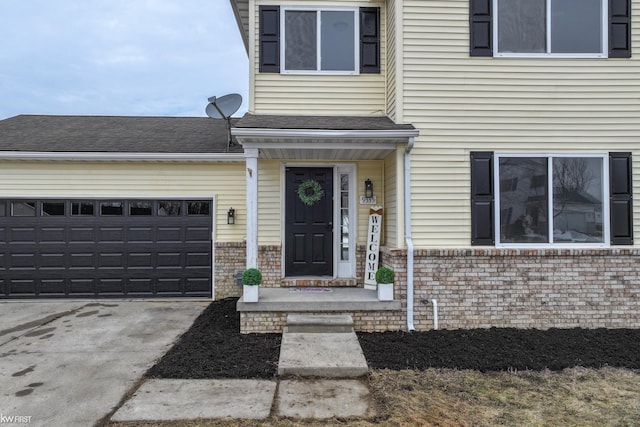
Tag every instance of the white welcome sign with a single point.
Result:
(373, 247)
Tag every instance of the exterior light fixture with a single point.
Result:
(368, 189)
(231, 216)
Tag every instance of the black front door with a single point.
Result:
(309, 222)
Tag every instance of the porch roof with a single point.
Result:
(322, 137)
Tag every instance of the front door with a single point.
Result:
(309, 222)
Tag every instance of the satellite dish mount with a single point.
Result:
(223, 108)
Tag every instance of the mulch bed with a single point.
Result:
(214, 348)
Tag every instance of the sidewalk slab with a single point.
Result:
(167, 399)
(320, 399)
(328, 355)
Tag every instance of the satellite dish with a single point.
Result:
(223, 107)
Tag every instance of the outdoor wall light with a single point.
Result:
(368, 189)
(231, 216)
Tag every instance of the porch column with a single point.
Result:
(251, 160)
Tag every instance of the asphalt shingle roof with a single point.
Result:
(114, 134)
(267, 121)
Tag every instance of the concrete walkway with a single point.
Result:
(323, 348)
(169, 400)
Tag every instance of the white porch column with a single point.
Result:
(251, 160)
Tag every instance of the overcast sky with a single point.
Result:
(118, 57)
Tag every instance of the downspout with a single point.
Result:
(407, 232)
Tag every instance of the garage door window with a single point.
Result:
(23, 208)
(53, 208)
(82, 208)
(111, 208)
(199, 208)
(167, 208)
(141, 208)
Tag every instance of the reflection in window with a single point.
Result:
(169, 208)
(111, 208)
(523, 206)
(50, 208)
(572, 213)
(82, 208)
(144, 208)
(577, 200)
(199, 208)
(344, 217)
(23, 208)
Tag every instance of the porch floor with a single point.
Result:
(317, 300)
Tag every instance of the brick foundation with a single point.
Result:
(478, 288)
(364, 321)
(530, 288)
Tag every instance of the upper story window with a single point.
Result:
(320, 40)
(328, 40)
(550, 28)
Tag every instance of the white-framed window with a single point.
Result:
(319, 40)
(551, 200)
(562, 28)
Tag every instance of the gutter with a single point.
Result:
(110, 157)
(407, 232)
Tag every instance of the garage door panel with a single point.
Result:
(82, 235)
(27, 235)
(52, 261)
(197, 285)
(197, 234)
(53, 287)
(22, 261)
(198, 259)
(53, 235)
(85, 253)
(82, 287)
(169, 259)
(170, 235)
(140, 234)
(141, 286)
(22, 287)
(111, 235)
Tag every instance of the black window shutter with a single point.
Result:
(480, 31)
(482, 198)
(370, 40)
(621, 198)
(269, 39)
(619, 28)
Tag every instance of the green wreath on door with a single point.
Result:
(310, 192)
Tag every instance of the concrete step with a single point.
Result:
(319, 323)
(321, 354)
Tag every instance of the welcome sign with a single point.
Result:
(373, 247)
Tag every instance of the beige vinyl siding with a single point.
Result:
(225, 181)
(374, 170)
(391, 200)
(391, 59)
(461, 104)
(275, 93)
(270, 207)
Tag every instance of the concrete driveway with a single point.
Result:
(71, 363)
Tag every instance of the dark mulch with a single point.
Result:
(214, 348)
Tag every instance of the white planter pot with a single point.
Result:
(250, 293)
(385, 291)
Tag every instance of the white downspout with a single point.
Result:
(407, 232)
